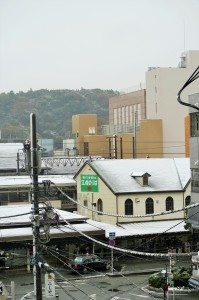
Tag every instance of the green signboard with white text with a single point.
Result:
(89, 183)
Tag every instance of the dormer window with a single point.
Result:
(141, 177)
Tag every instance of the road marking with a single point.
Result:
(141, 296)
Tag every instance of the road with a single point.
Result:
(96, 286)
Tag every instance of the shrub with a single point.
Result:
(156, 280)
(181, 276)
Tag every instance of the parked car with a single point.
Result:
(85, 263)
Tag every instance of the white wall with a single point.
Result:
(162, 86)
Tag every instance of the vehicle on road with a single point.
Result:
(88, 263)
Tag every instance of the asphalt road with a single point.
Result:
(94, 285)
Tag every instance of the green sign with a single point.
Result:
(89, 183)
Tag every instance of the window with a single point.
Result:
(145, 180)
(115, 116)
(127, 115)
(195, 180)
(169, 203)
(194, 124)
(128, 207)
(100, 205)
(149, 206)
(85, 202)
(123, 115)
(187, 200)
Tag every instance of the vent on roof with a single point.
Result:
(141, 177)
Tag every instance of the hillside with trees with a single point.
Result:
(53, 109)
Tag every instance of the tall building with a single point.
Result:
(122, 107)
(162, 86)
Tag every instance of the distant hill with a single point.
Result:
(53, 109)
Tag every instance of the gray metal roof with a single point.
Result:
(167, 174)
(141, 228)
(10, 181)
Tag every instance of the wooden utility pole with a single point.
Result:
(35, 209)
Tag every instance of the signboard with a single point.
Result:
(111, 235)
(89, 183)
(50, 285)
(111, 243)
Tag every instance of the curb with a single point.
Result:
(128, 273)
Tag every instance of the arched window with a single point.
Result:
(128, 207)
(149, 206)
(169, 203)
(100, 205)
(187, 200)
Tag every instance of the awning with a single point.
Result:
(142, 228)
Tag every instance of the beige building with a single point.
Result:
(114, 191)
(162, 86)
(122, 108)
(147, 141)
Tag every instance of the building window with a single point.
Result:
(100, 205)
(169, 203)
(127, 115)
(194, 124)
(123, 115)
(131, 114)
(187, 200)
(149, 206)
(115, 116)
(195, 180)
(128, 207)
(86, 149)
(85, 202)
(119, 115)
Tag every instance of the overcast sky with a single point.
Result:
(107, 44)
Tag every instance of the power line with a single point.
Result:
(124, 250)
(127, 216)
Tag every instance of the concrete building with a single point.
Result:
(122, 110)
(162, 86)
(15, 190)
(193, 215)
(146, 141)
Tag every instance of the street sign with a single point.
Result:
(89, 183)
(50, 285)
(170, 251)
(111, 243)
(112, 235)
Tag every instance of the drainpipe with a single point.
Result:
(117, 209)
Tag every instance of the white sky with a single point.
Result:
(107, 44)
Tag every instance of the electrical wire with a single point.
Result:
(121, 249)
(76, 271)
(126, 216)
(13, 216)
(192, 78)
(122, 275)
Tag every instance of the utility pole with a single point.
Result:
(135, 135)
(115, 145)
(121, 148)
(35, 204)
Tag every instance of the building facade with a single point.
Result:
(146, 141)
(123, 108)
(162, 86)
(114, 191)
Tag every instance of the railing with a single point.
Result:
(120, 128)
(63, 161)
